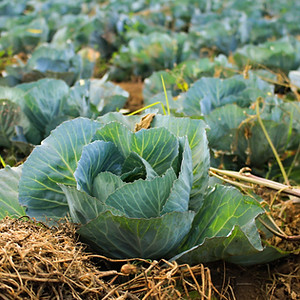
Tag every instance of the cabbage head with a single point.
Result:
(141, 194)
(130, 191)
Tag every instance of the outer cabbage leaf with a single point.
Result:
(9, 118)
(78, 28)
(207, 30)
(43, 103)
(122, 237)
(56, 63)
(207, 94)
(147, 53)
(127, 121)
(273, 54)
(187, 72)
(54, 161)
(48, 61)
(256, 153)
(14, 122)
(9, 204)
(25, 37)
(91, 98)
(223, 228)
(179, 80)
(12, 8)
(231, 134)
(224, 123)
(82, 207)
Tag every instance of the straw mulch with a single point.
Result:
(38, 262)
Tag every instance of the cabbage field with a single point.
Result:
(201, 167)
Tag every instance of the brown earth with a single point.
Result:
(135, 90)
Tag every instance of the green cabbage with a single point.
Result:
(141, 194)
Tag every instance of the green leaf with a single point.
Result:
(128, 121)
(226, 225)
(9, 181)
(96, 157)
(24, 36)
(15, 113)
(180, 194)
(158, 147)
(12, 94)
(195, 132)
(82, 207)
(105, 184)
(122, 237)
(272, 54)
(9, 118)
(44, 102)
(259, 153)
(207, 94)
(215, 248)
(118, 134)
(268, 254)
(54, 161)
(142, 169)
(143, 198)
(103, 96)
(49, 61)
(112, 97)
(224, 122)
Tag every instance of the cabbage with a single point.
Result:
(141, 194)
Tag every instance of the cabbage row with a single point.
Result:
(228, 67)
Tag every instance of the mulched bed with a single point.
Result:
(38, 262)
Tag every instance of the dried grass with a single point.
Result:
(38, 262)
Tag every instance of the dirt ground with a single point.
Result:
(276, 281)
(135, 90)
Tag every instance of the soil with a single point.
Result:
(135, 90)
(276, 281)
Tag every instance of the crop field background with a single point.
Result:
(149, 149)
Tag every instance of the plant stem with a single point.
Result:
(248, 177)
(148, 106)
(2, 161)
(293, 162)
(166, 96)
(286, 180)
(279, 234)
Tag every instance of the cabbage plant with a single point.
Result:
(141, 194)
(29, 111)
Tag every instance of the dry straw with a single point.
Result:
(38, 262)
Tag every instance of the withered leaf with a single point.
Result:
(145, 122)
